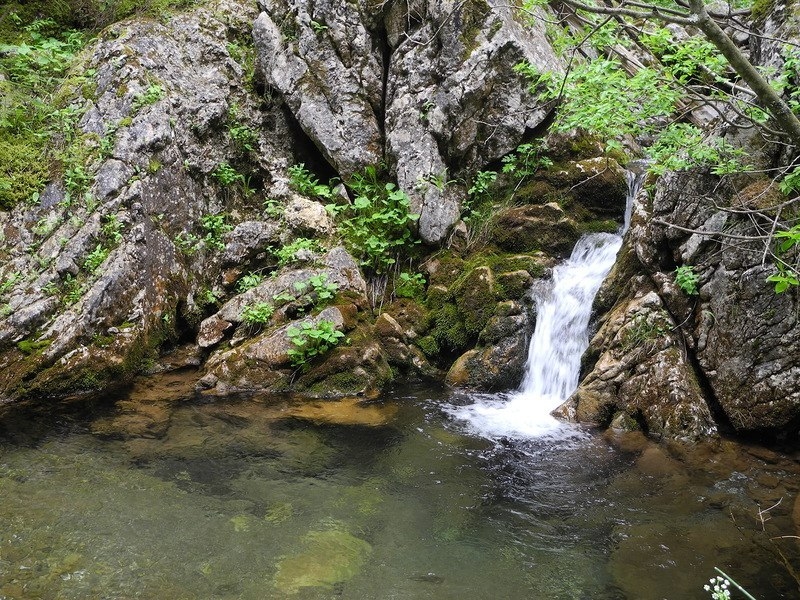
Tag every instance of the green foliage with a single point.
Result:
(257, 315)
(249, 281)
(306, 183)
(31, 69)
(321, 290)
(31, 347)
(187, 243)
(311, 340)
(273, 208)
(477, 207)
(151, 95)
(642, 332)
(214, 226)
(687, 280)
(682, 146)
(288, 253)
(227, 175)
(376, 227)
(316, 291)
(244, 138)
(112, 229)
(73, 290)
(526, 160)
(208, 297)
(787, 276)
(96, 258)
(9, 281)
(409, 285)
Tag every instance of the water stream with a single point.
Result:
(563, 309)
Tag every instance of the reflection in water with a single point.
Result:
(265, 498)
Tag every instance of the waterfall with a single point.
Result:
(563, 309)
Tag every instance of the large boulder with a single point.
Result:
(438, 96)
(112, 252)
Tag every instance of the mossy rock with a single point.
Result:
(530, 228)
(448, 330)
(514, 284)
(22, 171)
(476, 298)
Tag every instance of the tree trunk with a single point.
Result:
(775, 105)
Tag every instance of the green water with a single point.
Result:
(180, 497)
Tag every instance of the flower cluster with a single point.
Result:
(718, 586)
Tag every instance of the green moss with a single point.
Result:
(473, 15)
(22, 170)
(599, 226)
(449, 331)
(31, 347)
(429, 346)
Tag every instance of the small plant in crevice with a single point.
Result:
(377, 226)
(526, 160)
(306, 183)
(215, 226)
(257, 315)
(788, 274)
(151, 95)
(643, 331)
(249, 281)
(227, 176)
(299, 249)
(96, 258)
(311, 340)
(687, 280)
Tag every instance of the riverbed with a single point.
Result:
(164, 494)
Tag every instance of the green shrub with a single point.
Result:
(687, 280)
(288, 254)
(151, 95)
(376, 227)
(227, 175)
(96, 258)
(249, 281)
(407, 285)
(304, 182)
(258, 314)
(214, 226)
(311, 340)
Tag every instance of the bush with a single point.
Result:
(311, 340)
(377, 226)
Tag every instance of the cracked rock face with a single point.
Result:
(101, 278)
(427, 87)
(668, 359)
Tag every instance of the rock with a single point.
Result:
(249, 239)
(536, 227)
(498, 363)
(307, 218)
(405, 87)
(329, 557)
(147, 197)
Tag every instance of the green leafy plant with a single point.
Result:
(377, 226)
(249, 281)
(273, 208)
(9, 281)
(112, 229)
(787, 275)
(96, 258)
(215, 226)
(151, 95)
(311, 340)
(409, 285)
(304, 182)
(257, 315)
(227, 175)
(687, 280)
(526, 160)
(289, 253)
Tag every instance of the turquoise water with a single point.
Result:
(165, 495)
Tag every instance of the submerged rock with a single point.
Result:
(329, 557)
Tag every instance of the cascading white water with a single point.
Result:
(563, 309)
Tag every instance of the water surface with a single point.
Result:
(166, 495)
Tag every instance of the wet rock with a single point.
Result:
(536, 227)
